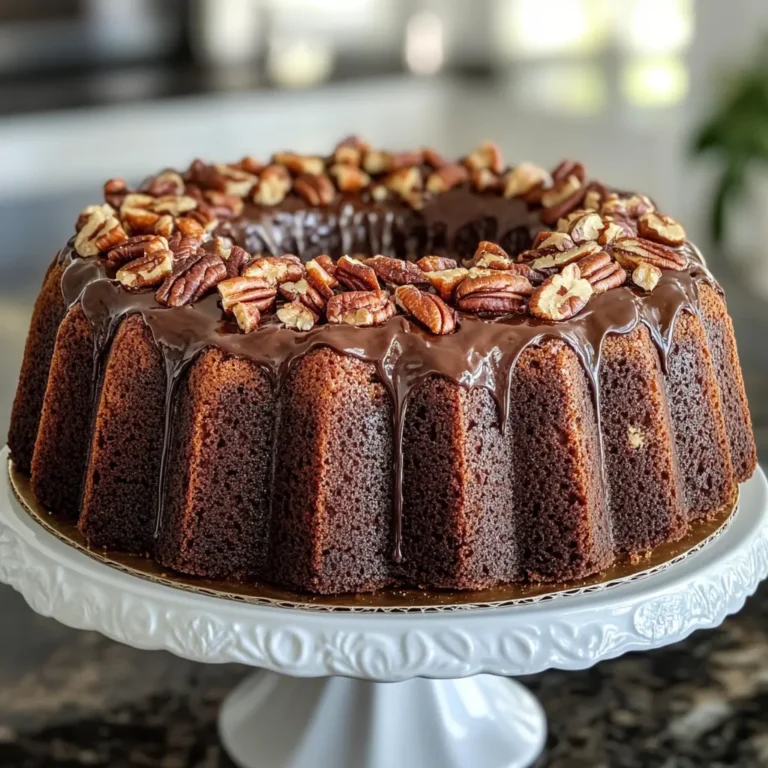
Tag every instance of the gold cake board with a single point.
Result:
(391, 600)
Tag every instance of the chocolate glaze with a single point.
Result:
(480, 353)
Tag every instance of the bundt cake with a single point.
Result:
(374, 369)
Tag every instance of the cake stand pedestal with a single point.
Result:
(396, 690)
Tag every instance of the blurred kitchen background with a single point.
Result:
(96, 88)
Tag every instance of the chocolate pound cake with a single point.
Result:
(375, 369)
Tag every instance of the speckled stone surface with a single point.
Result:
(70, 699)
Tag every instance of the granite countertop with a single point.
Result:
(77, 699)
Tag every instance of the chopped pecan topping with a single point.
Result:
(601, 271)
(297, 316)
(278, 269)
(495, 294)
(98, 231)
(404, 181)
(612, 231)
(376, 162)
(350, 151)
(487, 155)
(302, 291)
(235, 290)
(559, 259)
(561, 199)
(397, 271)
(491, 256)
(349, 178)
(247, 315)
(561, 296)
(356, 275)
(166, 183)
(661, 229)
(139, 220)
(129, 250)
(484, 180)
(189, 226)
(613, 205)
(191, 279)
(646, 276)
(431, 311)
(447, 177)
(150, 269)
(273, 185)
(629, 252)
(314, 188)
(524, 179)
(444, 281)
(300, 164)
(594, 196)
(435, 263)
(360, 308)
(235, 181)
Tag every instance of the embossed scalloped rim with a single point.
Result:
(58, 581)
(386, 602)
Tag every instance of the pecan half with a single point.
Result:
(494, 294)
(397, 271)
(191, 279)
(150, 269)
(165, 183)
(139, 220)
(639, 205)
(273, 185)
(115, 191)
(314, 188)
(129, 250)
(490, 256)
(487, 155)
(189, 226)
(431, 311)
(594, 196)
(349, 178)
(302, 291)
(99, 231)
(223, 205)
(377, 162)
(320, 278)
(234, 290)
(524, 179)
(549, 241)
(447, 177)
(327, 263)
(560, 259)
(176, 205)
(646, 276)
(299, 164)
(278, 269)
(435, 263)
(234, 257)
(601, 271)
(235, 181)
(585, 227)
(247, 315)
(355, 275)
(251, 165)
(350, 151)
(295, 315)
(404, 181)
(361, 308)
(183, 246)
(561, 296)
(561, 199)
(444, 281)
(568, 168)
(661, 229)
(613, 230)
(629, 252)
(484, 180)
(434, 159)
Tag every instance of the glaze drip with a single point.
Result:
(480, 353)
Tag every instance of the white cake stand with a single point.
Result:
(324, 700)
